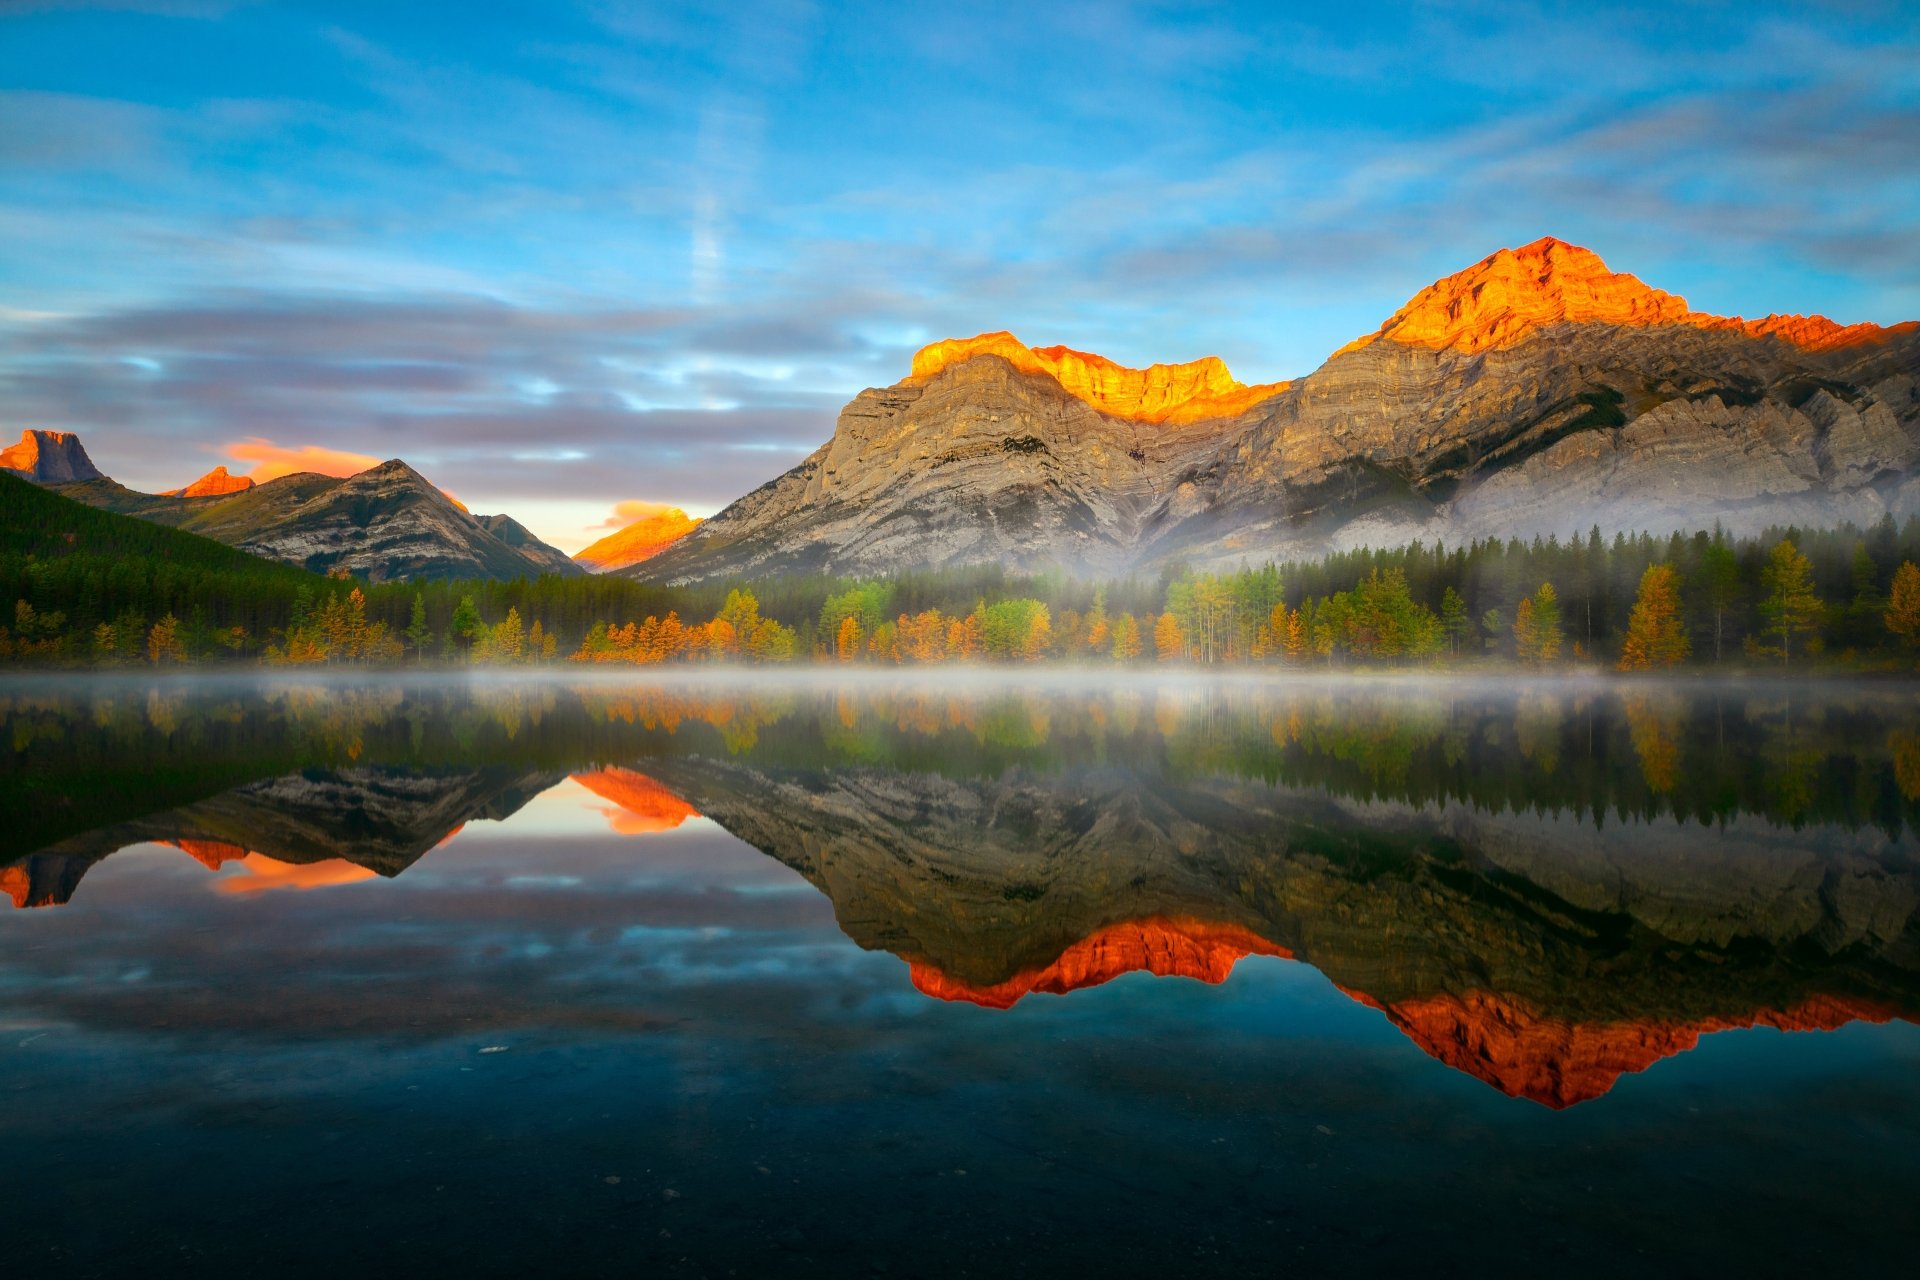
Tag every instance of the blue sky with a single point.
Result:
(563, 255)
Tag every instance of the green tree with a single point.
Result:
(1454, 621)
(466, 625)
(1720, 588)
(1790, 607)
(419, 634)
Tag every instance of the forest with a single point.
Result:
(91, 588)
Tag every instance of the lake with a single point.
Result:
(977, 976)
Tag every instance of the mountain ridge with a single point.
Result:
(386, 523)
(1533, 393)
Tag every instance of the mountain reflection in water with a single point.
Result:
(1545, 889)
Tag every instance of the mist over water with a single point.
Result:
(1020, 974)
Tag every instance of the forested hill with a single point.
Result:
(39, 523)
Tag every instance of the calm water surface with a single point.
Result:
(326, 978)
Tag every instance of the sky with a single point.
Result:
(572, 254)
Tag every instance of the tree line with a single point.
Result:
(91, 588)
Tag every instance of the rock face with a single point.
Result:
(387, 523)
(215, 484)
(49, 457)
(643, 539)
(1159, 393)
(1536, 392)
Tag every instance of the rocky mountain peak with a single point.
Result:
(1161, 393)
(1506, 296)
(49, 457)
(216, 483)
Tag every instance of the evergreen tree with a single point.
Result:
(1454, 620)
(1720, 588)
(419, 634)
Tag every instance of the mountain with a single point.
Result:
(549, 559)
(1535, 392)
(215, 484)
(49, 457)
(644, 538)
(386, 523)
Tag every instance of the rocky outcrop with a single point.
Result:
(217, 483)
(49, 457)
(980, 462)
(1190, 392)
(641, 540)
(1536, 392)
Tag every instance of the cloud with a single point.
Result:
(633, 511)
(270, 460)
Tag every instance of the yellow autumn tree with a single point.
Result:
(1903, 603)
(1656, 637)
(1169, 643)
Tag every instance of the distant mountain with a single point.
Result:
(550, 559)
(641, 540)
(48, 457)
(1536, 392)
(386, 523)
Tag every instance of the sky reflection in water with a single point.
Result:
(571, 978)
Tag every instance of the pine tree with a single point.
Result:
(1720, 584)
(419, 634)
(1656, 637)
(1454, 620)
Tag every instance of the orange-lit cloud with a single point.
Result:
(259, 873)
(644, 807)
(626, 513)
(270, 460)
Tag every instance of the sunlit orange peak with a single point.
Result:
(1163, 946)
(212, 485)
(1504, 298)
(1558, 1064)
(645, 805)
(1161, 393)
